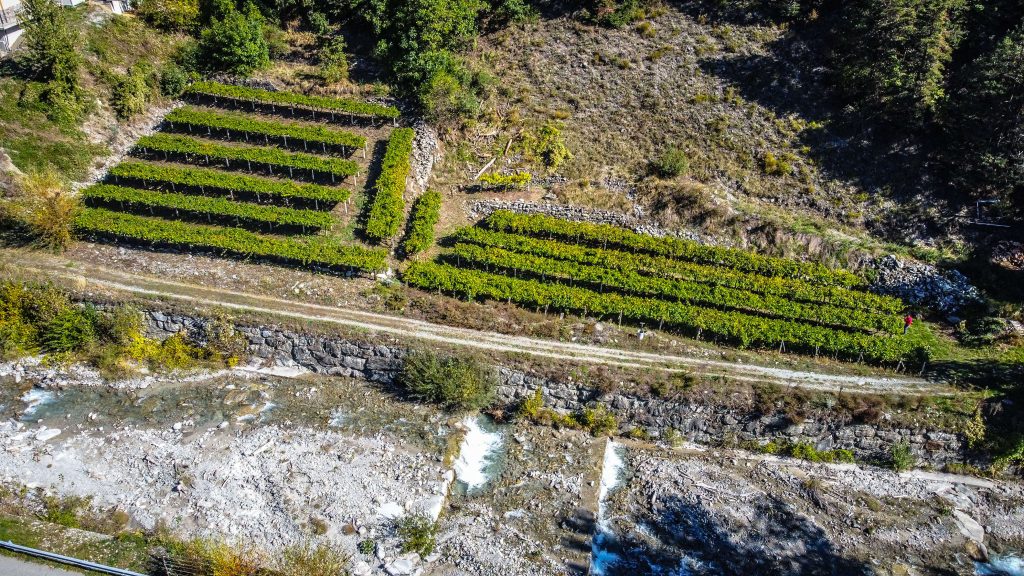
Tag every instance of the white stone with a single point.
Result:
(47, 434)
(390, 510)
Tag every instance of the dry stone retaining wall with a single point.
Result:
(699, 423)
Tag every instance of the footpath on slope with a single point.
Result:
(406, 328)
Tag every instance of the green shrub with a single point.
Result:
(130, 93)
(332, 61)
(171, 15)
(901, 458)
(24, 309)
(309, 560)
(532, 406)
(455, 383)
(64, 511)
(43, 202)
(598, 420)
(235, 42)
(418, 534)
(72, 330)
(366, 546)
(776, 166)
(548, 145)
(50, 45)
(173, 80)
(672, 162)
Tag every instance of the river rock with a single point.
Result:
(969, 527)
(403, 566)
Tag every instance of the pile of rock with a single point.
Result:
(921, 284)
(1009, 255)
(424, 154)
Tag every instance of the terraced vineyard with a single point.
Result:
(246, 173)
(710, 292)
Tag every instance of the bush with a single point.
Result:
(173, 81)
(548, 145)
(43, 203)
(64, 511)
(309, 560)
(671, 163)
(235, 42)
(455, 383)
(171, 15)
(418, 534)
(130, 93)
(24, 309)
(72, 330)
(366, 546)
(332, 60)
(598, 420)
(505, 181)
(219, 558)
(51, 43)
(902, 459)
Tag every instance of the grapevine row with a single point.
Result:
(744, 329)
(425, 213)
(101, 222)
(667, 268)
(205, 206)
(388, 208)
(673, 290)
(344, 105)
(227, 182)
(271, 157)
(246, 125)
(605, 235)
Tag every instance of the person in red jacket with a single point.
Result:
(907, 322)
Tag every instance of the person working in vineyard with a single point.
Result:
(907, 322)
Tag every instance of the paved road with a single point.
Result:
(118, 280)
(14, 567)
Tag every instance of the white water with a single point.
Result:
(476, 452)
(1008, 565)
(612, 467)
(35, 398)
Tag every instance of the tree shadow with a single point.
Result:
(684, 537)
(793, 77)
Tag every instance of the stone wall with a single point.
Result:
(698, 423)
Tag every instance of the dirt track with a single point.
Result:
(406, 328)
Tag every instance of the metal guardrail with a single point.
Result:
(67, 561)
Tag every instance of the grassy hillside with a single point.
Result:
(35, 138)
(681, 78)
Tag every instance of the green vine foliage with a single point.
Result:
(388, 208)
(209, 180)
(234, 241)
(324, 103)
(195, 149)
(108, 195)
(196, 117)
(740, 328)
(664, 267)
(673, 290)
(425, 213)
(605, 235)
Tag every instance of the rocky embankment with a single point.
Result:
(699, 423)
